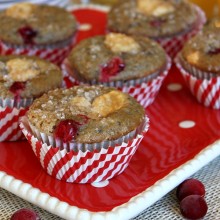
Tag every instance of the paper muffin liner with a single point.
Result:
(54, 53)
(206, 90)
(193, 70)
(10, 112)
(174, 44)
(96, 162)
(144, 90)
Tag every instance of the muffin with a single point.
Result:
(170, 22)
(199, 63)
(136, 65)
(41, 30)
(22, 79)
(93, 130)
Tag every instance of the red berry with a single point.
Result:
(193, 207)
(25, 214)
(112, 68)
(67, 130)
(157, 23)
(190, 187)
(28, 34)
(17, 87)
(214, 51)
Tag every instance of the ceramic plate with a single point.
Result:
(183, 137)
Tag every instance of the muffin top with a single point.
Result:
(27, 77)
(86, 114)
(26, 23)
(203, 51)
(152, 18)
(116, 57)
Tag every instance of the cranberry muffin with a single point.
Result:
(89, 123)
(22, 79)
(117, 60)
(170, 22)
(32, 26)
(199, 64)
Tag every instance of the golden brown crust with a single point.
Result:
(203, 51)
(51, 23)
(38, 75)
(141, 57)
(152, 18)
(111, 113)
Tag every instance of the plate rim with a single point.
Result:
(123, 212)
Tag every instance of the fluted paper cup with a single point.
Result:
(54, 53)
(205, 88)
(10, 113)
(84, 163)
(174, 44)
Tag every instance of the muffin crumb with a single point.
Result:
(20, 10)
(156, 8)
(119, 43)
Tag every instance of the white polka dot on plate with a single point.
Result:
(100, 184)
(173, 87)
(187, 124)
(85, 27)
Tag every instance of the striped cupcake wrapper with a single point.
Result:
(206, 90)
(54, 53)
(84, 166)
(10, 113)
(173, 45)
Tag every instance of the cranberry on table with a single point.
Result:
(25, 214)
(190, 187)
(193, 207)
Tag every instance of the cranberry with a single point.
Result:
(25, 214)
(28, 34)
(157, 23)
(193, 207)
(112, 68)
(190, 187)
(214, 51)
(67, 130)
(17, 87)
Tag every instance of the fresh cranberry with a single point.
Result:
(28, 34)
(193, 207)
(190, 187)
(214, 51)
(25, 214)
(17, 87)
(157, 23)
(112, 68)
(67, 130)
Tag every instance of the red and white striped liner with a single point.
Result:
(206, 91)
(144, 92)
(10, 113)
(173, 45)
(83, 166)
(53, 54)
(9, 123)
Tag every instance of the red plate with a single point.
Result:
(182, 135)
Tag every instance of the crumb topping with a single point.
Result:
(22, 70)
(119, 43)
(154, 7)
(20, 10)
(103, 113)
(108, 103)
